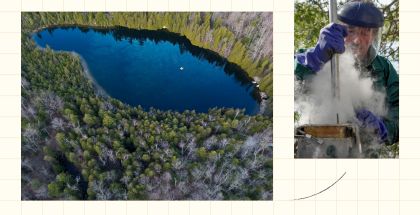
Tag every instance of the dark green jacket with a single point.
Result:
(386, 80)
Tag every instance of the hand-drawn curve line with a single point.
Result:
(321, 190)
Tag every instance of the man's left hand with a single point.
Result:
(371, 120)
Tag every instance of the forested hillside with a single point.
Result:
(77, 144)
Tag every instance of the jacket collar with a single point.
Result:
(373, 61)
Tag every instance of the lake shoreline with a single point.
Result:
(98, 89)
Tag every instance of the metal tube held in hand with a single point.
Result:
(335, 77)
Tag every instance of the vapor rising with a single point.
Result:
(314, 99)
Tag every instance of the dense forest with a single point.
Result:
(79, 144)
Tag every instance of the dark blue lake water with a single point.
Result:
(155, 69)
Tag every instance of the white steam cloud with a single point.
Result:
(314, 99)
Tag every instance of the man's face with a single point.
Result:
(359, 39)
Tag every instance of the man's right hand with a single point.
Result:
(330, 41)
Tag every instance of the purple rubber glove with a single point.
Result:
(331, 40)
(370, 120)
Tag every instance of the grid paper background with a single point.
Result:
(369, 186)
